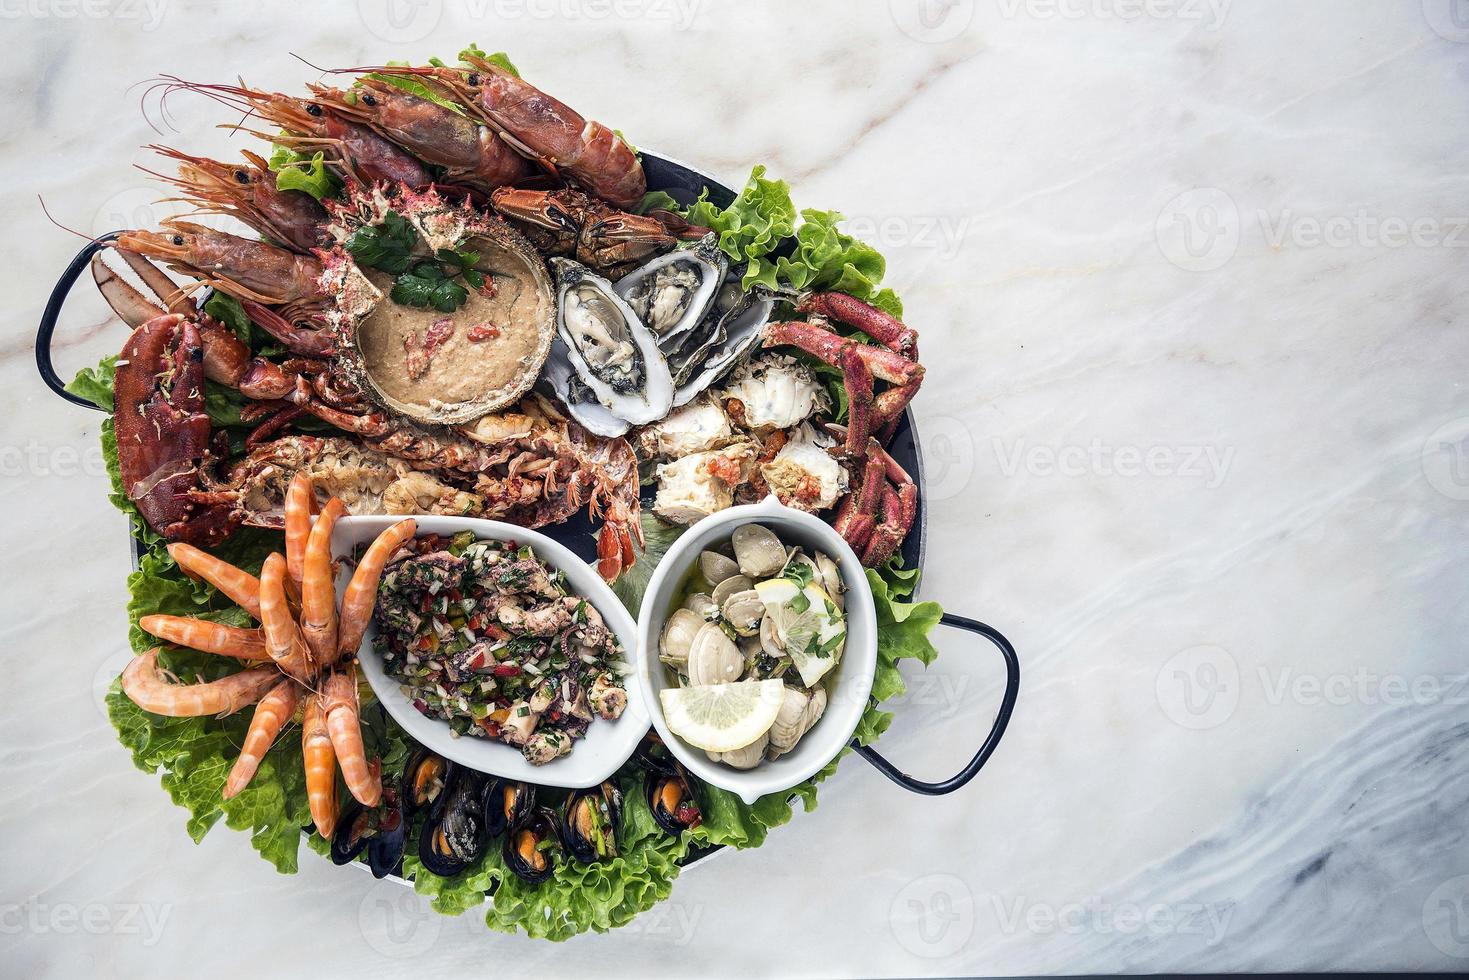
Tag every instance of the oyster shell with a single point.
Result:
(672, 293)
(611, 352)
(728, 331)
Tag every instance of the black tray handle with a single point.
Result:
(1002, 719)
(53, 313)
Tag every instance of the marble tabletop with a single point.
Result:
(1189, 278)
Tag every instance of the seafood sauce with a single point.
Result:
(484, 636)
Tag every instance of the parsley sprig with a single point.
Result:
(422, 282)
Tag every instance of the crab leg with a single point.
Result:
(202, 635)
(343, 724)
(318, 587)
(271, 715)
(150, 690)
(816, 340)
(362, 590)
(882, 327)
(321, 766)
(283, 640)
(858, 381)
(899, 508)
(240, 586)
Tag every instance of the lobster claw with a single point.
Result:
(163, 431)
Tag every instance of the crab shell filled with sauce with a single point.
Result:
(447, 368)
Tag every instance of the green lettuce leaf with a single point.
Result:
(297, 171)
(754, 225)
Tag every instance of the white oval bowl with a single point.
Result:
(847, 685)
(607, 745)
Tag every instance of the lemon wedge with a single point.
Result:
(811, 629)
(722, 717)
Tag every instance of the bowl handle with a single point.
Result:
(53, 312)
(1002, 719)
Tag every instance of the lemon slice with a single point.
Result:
(812, 633)
(722, 717)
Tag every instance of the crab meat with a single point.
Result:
(701, 484)
(803, 474)
(774, 391)
(694, 428)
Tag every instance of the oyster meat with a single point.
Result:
(672, 292)
(613, 357)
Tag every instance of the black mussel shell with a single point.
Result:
(674, 799)
(509, 803)
(530, 848)
(382, 830)
(457, 829)
(590, 822)
(424, 778)
(654, 756)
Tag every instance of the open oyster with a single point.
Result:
(729, 330)
(613, 357)
(672, 292)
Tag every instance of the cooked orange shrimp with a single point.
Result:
(283, 640)
(300, 506)
(271, 714)
(201, 634)
(238, 585)
(319, 587)
(361, 592)
(339, 695)
(150, 690)
(321, 766)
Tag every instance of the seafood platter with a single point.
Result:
(515, 513)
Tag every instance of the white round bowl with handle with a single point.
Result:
(607, 745)
(848, 684)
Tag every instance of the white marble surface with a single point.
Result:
(1187, 452)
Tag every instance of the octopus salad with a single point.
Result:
(485, 636)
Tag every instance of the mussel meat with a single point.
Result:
(673, 797)
(530, 848)
(590, 821)
(457, 828)
(509, 803)
(381, 830)
(424, 779)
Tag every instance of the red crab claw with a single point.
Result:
(899, 508)
(163, 431)
(867, 413)
(882, 327)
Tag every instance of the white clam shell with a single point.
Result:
(757, 550)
